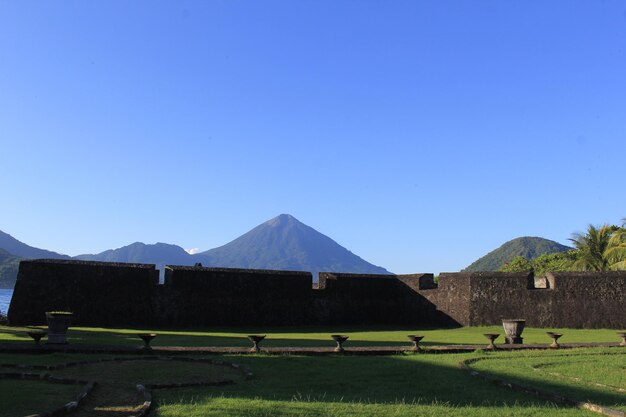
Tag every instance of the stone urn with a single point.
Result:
(37, 335)
(513, 329)
(147, 338)
(555, 337)
(339, 339)
(58, 323)
(416, 342)
(492, 339)
(256, 339)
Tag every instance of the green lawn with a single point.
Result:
(595, 375)
(313, 336)
(399, 385)
(402, 385)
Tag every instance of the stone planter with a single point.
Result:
(513, 329)
(492, 338)
(37, 335)
(256, 339)
(58, 323)
(339, 339)
(147, 338)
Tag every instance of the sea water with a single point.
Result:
(5, 299)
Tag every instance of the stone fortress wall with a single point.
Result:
(119, 295)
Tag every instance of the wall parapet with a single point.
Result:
(119, 294)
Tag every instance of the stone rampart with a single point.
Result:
(563, 299)
(227, 296)
(112, 294)
(375, 299)
(99, 293)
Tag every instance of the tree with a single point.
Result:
(517, 264)
(600, 249)
(616, 252)
(547, 262)
(555, 262)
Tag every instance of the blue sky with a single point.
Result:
(418, 134)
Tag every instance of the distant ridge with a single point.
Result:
(17, 248)
(285, 243)
(282, 243)
(527, 246)
(158, 253)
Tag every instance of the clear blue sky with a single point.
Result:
(418, 134)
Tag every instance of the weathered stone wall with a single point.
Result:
(375, 299)
(99, 293)
(226, 296)
(108, 294)
(600, 302)
(564, 299)
(451, 297)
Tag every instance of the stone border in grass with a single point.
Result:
(68, 407)
(546, 395)
(147, 401)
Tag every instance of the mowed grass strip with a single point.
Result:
(308, 336)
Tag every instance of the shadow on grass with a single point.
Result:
(422, 379)
(401, 379)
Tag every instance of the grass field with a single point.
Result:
(400, 385)
(594, 375)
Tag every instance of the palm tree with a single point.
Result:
(592, 247)
(616, 252)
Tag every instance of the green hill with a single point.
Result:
(528, 247)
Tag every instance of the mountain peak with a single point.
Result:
(288, 244)
(282, 219)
